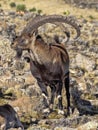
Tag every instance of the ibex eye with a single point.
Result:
(12, 43)
(16, 37)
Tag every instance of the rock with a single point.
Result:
(64, 128)
(42, 122)
(1, 29)
(19, 65)
(31, 90)
(84, 3)
(28, 16)
(94, 48)
(11, 13)
(85, 62)
(92, 125)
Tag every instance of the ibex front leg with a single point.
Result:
(45, 96)
(53, 90)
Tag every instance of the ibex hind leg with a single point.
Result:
(67, 86)
(59, 96)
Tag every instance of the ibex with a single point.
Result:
(49, 63)
(10, 116)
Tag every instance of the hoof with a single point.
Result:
(69, 112)
(51, 107)
(20, 128)
(3, 127)
(60, 112)
(47, 110)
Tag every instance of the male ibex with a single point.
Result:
(49, 64)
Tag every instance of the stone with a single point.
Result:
(92, 125)
(64, 128)
(85, 62)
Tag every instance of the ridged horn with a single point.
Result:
(35, 23)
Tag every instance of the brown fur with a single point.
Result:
(49, 63)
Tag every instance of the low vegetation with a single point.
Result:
(32, 9)
(39, 11)
(91, 16)
(67, 12)
(21, 7)
(12, 4)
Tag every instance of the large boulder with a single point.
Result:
(85, 62)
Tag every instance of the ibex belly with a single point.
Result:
(49, 72)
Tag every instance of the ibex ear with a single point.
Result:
(33, 38)
(34, 35)
(35, 32)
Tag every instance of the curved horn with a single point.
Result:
(35, 23)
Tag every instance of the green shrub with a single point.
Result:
(81, 16)
(91, 17)
(67, 12)
(39, 11)
(12, 4)
(32, 9)
(21, 7)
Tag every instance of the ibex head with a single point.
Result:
(22, 42)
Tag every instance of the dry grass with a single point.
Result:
(52, 7)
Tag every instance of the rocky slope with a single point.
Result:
(84, 3)
(19, 88)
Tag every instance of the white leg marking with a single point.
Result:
(60, 112)
(46, 110)
(59, 96)
(44, 96)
